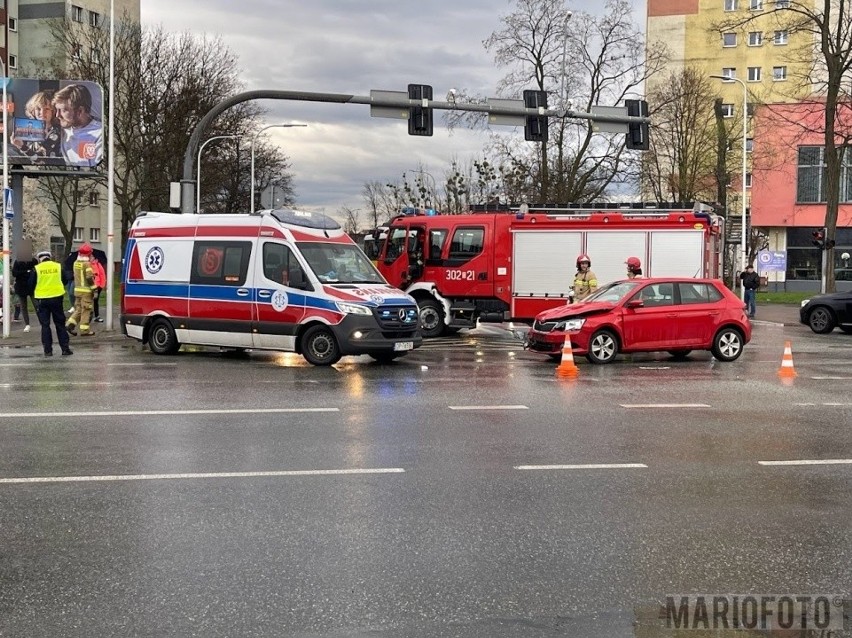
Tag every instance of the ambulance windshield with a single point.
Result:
(340, 263)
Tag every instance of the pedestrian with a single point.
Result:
(100, 284)
(49, 292)
(585, 282)
(750, 282)
(634, 268)
(22, 270)
(84, 286)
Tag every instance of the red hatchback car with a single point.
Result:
(646, 315)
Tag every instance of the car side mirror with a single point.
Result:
(635, 303)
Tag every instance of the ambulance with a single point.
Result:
(276, 280)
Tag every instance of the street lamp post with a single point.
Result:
(562, 95)
(253, 140)
(111, 173)
(744, 256)
(198, 171)
(7, 320)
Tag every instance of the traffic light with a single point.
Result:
(819, 238)
(419, 117)
(535, 127)
(637, 133)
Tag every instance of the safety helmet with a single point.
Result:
(85, 249)
(43, 255)
(633, 264)
(582, 258)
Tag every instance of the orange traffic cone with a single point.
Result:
(567, 368)
(787, 370)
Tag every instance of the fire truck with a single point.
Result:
(500, 263)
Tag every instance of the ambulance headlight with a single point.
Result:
(353, 309)
(569, 325)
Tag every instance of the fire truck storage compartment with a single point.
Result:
(544, 262)
(677, 253)
(609, 249)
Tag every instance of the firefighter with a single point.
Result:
(84, 289)
(585, 282)
(48, 287)
(634, 268)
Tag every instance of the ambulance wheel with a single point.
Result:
(319, 347)
(431, 318)
(162, 338)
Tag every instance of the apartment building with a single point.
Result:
(28, 44)
(772, 62)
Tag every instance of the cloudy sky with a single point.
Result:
(352, 46)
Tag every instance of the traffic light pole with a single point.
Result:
(378, 99)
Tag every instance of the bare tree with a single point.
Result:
(608, 62)
(38, 219)
(352, 220)
(823, 30)
(65, 196)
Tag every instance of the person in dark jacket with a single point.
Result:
(22, 270)
(48, 284)
(751, 282)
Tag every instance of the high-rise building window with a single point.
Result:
(730, 5)
(754, 74)
(77, 51)
(94, 234)
(78, 233)
(755, 38)
(749, 145)
(96, 55)
(727, 110)
(729, 39)
(810, 183)
(782, 4)
(94, 198)
(779, 73)
(780, 37)
(13, 62)
(729, 72)
(756, 5)
(13, 24)
(76, 13)
(94, 19)
(748, 180)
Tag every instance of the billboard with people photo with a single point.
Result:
(54, 123)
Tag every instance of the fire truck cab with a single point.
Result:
(503, 263)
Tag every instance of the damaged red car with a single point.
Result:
(646, 315)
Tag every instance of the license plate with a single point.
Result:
(403, 345)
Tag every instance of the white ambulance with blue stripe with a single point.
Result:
(277, 280)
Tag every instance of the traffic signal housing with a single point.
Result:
(535, 127)
(419, 117)
(819, 238)
(637, 133)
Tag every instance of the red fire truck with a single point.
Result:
(501, 263)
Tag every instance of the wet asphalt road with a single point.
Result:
(448, 537)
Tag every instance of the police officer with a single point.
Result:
(585, 281)
(48, 284)
(634, 268)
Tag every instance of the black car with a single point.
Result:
(826, 312)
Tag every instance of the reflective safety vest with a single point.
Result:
(583, 284)
(84, 277)
(48, 280)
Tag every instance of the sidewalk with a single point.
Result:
(787, 314)
(19, 339)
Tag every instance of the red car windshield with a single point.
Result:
(613, 293)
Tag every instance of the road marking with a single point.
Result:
(488, 407)
(814, 462)
(590, 466)
(831, 405)
(206, 475)
(664, 405)
(13, 415)
(831, 378)
(147, 365)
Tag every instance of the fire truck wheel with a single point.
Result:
(603, 347)
(162, 338)
(431, 318)
(319, 347)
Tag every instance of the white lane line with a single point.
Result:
(589, 466)
(809, 462)
(206, 475)
(147, 365)
(13, 415)
(664, 405)
(488, 407)
(831, 405)
(831, 378)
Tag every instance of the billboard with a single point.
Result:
(54, 123)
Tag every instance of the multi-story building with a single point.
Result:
(773, 64)
(29, 44)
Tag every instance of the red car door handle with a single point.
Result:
(672, 315)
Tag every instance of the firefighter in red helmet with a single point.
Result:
(585, 282)
(84, 289)
(634, 268)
